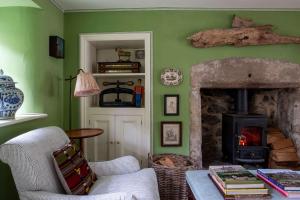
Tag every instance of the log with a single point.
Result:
(281, 144)
(272, 130)
(285, 150)
(283, 165)
(243, 35)
(271, 138)
(166, 162)
(238, 22)
(284, 157)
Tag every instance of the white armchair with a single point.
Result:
(29, 157)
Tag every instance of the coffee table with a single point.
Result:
(204, 189)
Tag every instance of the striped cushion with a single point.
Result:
(73, 170)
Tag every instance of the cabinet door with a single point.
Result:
(101, 147)
(128, 136)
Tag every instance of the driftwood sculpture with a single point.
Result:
(242, 33)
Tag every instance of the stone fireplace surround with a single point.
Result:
(231, 73)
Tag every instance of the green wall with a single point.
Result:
(170, 48)
(24, 56)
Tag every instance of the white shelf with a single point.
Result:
(119, 75)
(116, 110)
(22, 118)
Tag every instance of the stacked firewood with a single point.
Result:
(283, 153)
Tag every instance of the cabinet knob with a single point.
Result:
(111, 142)
(118, 142)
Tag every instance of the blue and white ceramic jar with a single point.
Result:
(11, 98)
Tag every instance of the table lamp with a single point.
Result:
(86, 85)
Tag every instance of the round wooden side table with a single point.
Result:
(83, 133)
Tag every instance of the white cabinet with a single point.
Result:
(100, 147)
(123, 135)
(127, 130)
(129, 136)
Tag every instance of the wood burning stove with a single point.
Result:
(244, 134)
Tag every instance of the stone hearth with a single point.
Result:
(233, 73)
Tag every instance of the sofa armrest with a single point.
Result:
(42, 195)
(122, 165)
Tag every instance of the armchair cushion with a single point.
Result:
(123, 165)
(141, 184)
(73, 170)
(42, 195)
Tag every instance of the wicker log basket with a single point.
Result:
(170, 171)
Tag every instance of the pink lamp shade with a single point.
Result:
(86, 85)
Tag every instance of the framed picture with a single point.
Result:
(56, 47)
(171, 104)
(140, 54)
(171, 133)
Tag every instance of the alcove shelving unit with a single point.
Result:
(127, 130)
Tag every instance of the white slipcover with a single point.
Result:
(29, 157)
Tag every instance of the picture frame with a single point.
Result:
(56, 47)
(140, 54)
(171, 133)
(171, 104)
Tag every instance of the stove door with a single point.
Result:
(250, 132)
(250, 136)
(250, 140)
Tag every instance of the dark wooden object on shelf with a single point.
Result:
(83, 133)
(119, 67)
(118, 102)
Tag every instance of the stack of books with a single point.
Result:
(235, 182)
(285, 181)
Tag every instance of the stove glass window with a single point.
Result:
(250, 136)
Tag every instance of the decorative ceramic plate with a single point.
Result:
(171, 76)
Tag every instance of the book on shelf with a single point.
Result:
(289, 194)
(235, 177)
(245, 194)
(285, 179)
